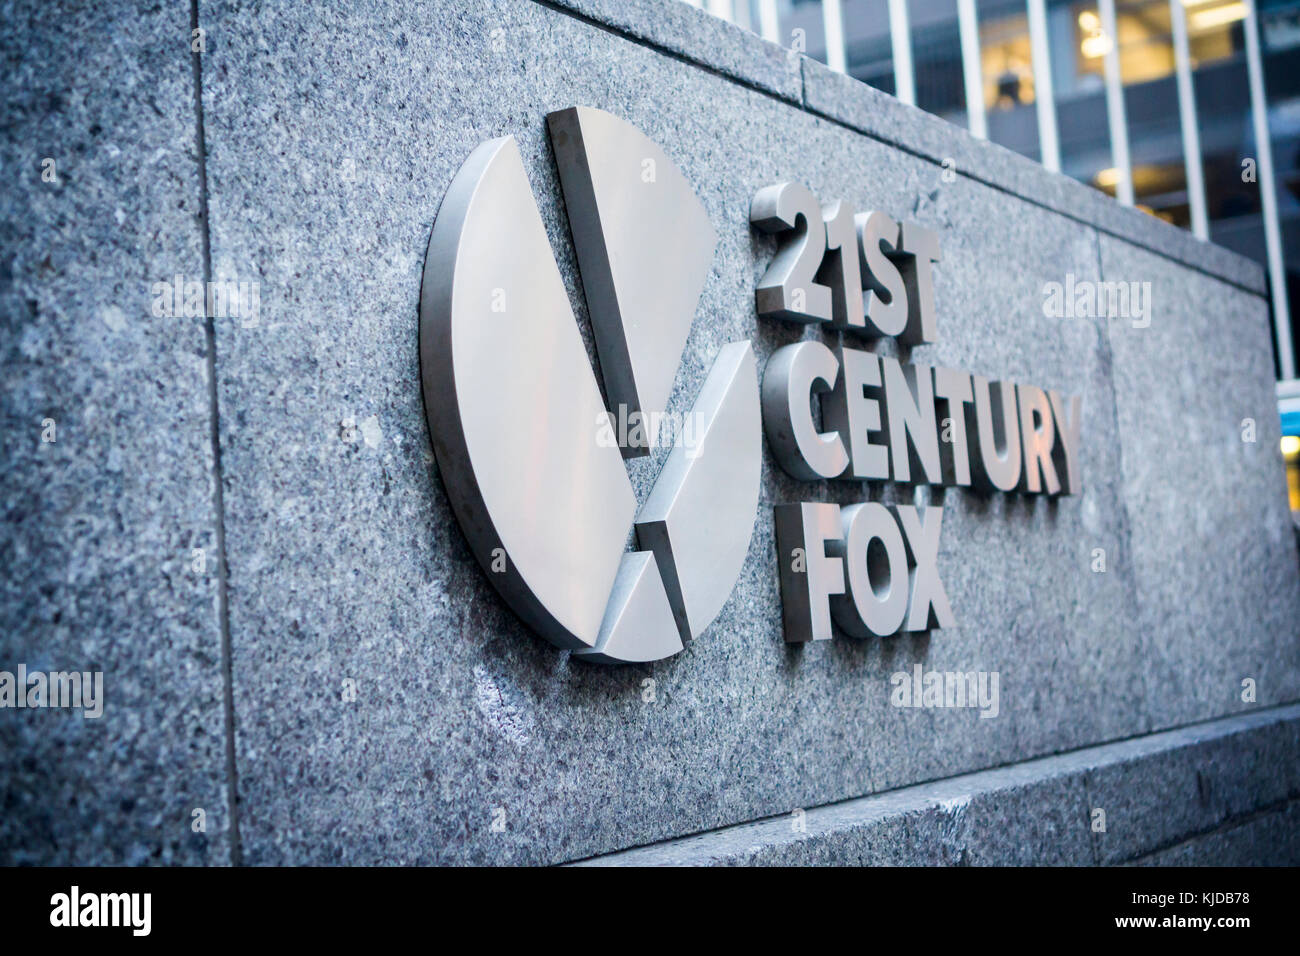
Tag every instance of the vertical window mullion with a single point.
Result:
(722, 9)
(768, 22)
(833, 25)
(1268, 198)
(901, 43)
(1048, 142)
(1190, 123)
(1115, 113)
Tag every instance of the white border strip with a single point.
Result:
(972, 68)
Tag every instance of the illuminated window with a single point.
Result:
(1007, 70)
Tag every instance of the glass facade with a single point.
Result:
(1145, 46)
(936, 59)
(868, 47)
(1007, 71)
(1078, 48)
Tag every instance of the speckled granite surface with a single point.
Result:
(1228, 795)
(99, 527)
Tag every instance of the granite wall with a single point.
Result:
(241, 519)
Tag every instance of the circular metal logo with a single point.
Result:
(532, 459)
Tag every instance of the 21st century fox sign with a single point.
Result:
(522, 434)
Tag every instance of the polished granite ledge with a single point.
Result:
(698, 37)
(1224, 791)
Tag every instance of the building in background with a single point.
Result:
(1187, 109)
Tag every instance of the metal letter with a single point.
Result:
(1069, 424)
(842, 269)
(805, 595)
(920, 250)
(909, 407)
(789, 290)
(868, 608)
(850, 411)
(1038, 437)
(952, 387)
(792, 374)
(886, 308)
(995, 436)
(927, 605)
